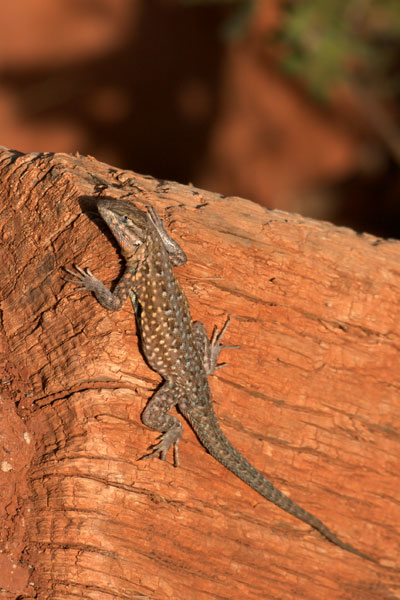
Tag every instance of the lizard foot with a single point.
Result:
(84, 278)
(216, 346)
(160, 450)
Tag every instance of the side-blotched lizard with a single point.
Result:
(175, 347)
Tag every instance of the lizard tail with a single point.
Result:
(214, 440)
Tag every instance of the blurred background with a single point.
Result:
(293, 104)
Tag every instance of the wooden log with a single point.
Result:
(311, 399)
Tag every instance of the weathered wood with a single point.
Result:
(311, 398)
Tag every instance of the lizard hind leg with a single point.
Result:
(155, 416)
(212, 348)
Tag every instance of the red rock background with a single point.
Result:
(152, 86)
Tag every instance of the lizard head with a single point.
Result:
(128, 224)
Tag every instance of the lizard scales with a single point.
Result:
(175, 347)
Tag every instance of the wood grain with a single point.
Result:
(311, 399)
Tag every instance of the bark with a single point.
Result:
(311, 399)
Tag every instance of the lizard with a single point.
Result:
(176, 348)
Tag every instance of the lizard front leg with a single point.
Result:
(85, 279)
(175, 252)
(155, 416)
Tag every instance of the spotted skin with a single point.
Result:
(175, 347)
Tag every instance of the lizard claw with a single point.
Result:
(84, 278)
(216, 347)
(160, 450)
